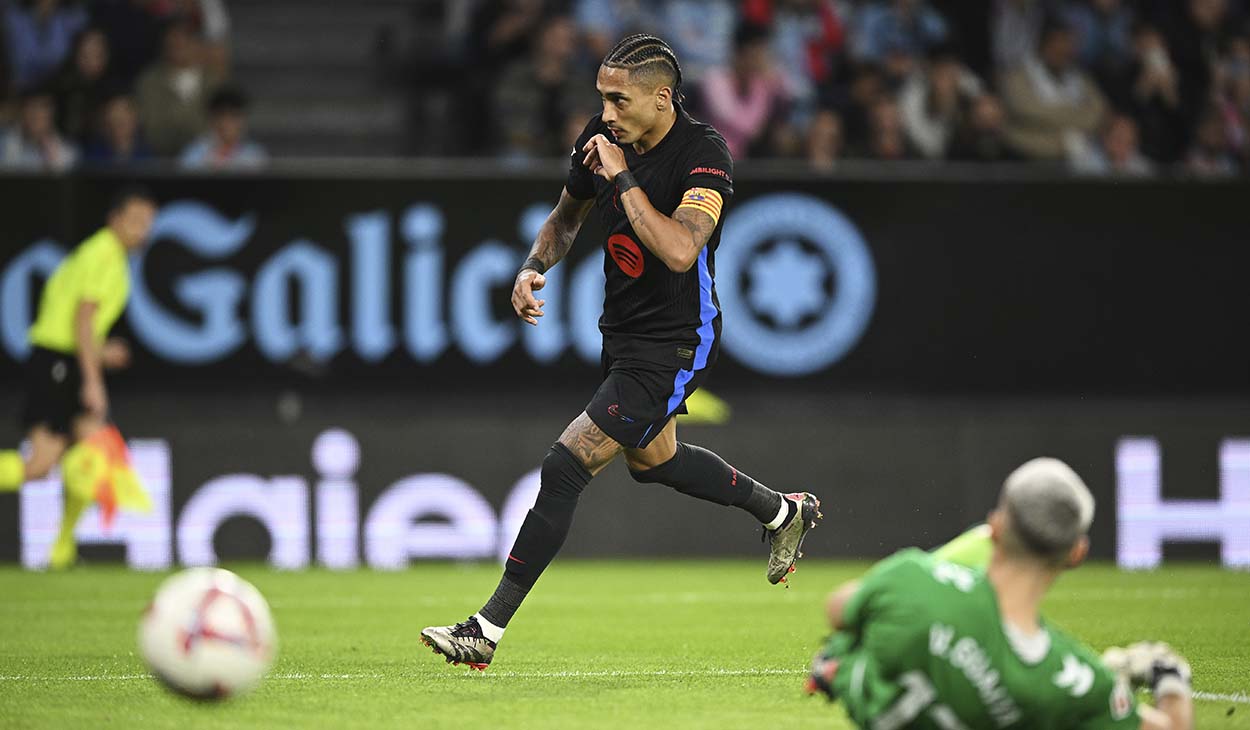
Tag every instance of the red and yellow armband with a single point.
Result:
(705, 199)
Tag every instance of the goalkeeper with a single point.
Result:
(66, 413)
(923, 641)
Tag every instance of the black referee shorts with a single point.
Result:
(53, 392)
(638, 397)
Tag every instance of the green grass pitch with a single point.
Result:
(599, 644)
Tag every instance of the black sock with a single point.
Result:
(704, 475)
(542, 534)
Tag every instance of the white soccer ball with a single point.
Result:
(208, 634)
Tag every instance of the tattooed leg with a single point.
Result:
(589, 444)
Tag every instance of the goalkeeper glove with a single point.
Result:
(1151, 664)
(820, 679)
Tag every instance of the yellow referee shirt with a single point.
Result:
(96, 271)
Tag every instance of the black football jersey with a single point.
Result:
(650, 312)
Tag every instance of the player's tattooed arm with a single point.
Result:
(699, 224)
(594, 448)
(556, 236)
(676, 240)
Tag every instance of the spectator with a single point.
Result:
(825, 142)
(536, 96)
(134, 34)
(886, 140)
(1116, 153)
(1149, 89)
(742, 100)
(35, 144)
(226, 145)
(1209, 156)
(173, 92)
(808, 39)
(983, 135)
(1015, 28)
(1050, 100)
(866, 85)
(499, 34)
(604, 22)
(82, 84)
(1234, 97)
(1193, 39)
(118, 141)
(211, 23)
(701, 33)
(933, 102)
(1104, 29)
(6, 80)
(971, 31)
(896, 34)
(40, 34)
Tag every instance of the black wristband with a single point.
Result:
(535, 263)
(625, 182)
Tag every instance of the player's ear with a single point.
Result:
(1078, 553)
(663, 98)
(995, 520)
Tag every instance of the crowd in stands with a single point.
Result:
(1101, 87)
(1125, 87)
(116, 83)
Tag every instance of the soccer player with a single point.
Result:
(66, 399)
(923, 642)
(659, 181)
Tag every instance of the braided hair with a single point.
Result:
(645, 53)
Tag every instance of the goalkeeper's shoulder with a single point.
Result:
(970, 549)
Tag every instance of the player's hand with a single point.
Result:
(604, 158)
(526, 306)
(94, 398)
(820, 678)
(1151, 664)
(115, 354)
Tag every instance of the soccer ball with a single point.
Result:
(208, 634)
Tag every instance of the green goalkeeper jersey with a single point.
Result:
(924, 646)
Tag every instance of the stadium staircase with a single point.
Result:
(317, 75)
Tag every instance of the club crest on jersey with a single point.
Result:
(626, 254)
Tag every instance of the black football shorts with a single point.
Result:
(53, 391)
(638, 397)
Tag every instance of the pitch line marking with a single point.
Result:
(1242, 698)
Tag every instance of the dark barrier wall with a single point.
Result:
(1008, 287)
(388, 478)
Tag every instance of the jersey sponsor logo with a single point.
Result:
(1075, 676)
(626, 254)
(711, 171)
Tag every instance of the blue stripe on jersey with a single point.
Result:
(707, 333)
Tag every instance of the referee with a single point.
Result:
(66, 398)
(659, 181)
